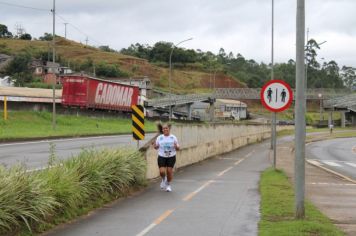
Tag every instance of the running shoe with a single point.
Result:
(168, 188)
(163, 184)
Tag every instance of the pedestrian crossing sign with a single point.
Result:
(276, 95)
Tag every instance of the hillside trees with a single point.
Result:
(19, 70)
(348, 75)
(26, 36)
(46, 37)
(4, 32)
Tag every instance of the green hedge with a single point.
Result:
(33, 201)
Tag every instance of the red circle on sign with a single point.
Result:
(268, 107)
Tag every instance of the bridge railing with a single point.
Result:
(341, 102)
(254, 93)
(173, 100)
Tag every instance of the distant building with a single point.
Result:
(225, 109)
(41, 68)
(144, 83)
(230, 109)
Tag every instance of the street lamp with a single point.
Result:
(170, 74)
(320, 100)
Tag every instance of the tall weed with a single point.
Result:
(29, 199)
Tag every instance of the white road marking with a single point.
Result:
(350, 164)
(249, 154)
(331, 163)
(332, 184)
(314, 162)
(146, 230)
(238, 162)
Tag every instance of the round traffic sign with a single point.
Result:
(276, 95)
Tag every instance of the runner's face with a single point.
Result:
(165, 130)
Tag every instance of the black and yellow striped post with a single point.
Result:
(138, 122)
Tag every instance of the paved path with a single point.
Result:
(218, 196)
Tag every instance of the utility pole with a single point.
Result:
(54, 61)
(86, 41)
(273, 123)
(300, 104)
(65, 30)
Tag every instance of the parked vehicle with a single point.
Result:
(88, 92)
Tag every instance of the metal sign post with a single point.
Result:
(276, 96)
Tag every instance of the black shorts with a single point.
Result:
(166, 161)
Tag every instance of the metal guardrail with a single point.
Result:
(232, 93)
(174, 100)
(254, 93)
(348, 101)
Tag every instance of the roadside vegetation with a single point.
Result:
(30, 124)
(33, 202)
(277, 211)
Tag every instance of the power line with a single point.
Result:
(50, 10)
(77, 28)
(22, 6)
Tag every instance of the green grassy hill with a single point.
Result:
(184, 80)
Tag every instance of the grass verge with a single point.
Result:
(277, 211)
(30, 124)
(33, 202)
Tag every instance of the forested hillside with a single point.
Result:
(194, 71)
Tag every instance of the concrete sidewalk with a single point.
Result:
(218, 196)
(332, 195)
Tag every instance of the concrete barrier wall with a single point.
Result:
(199, 142)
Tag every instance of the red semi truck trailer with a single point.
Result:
(88, 92)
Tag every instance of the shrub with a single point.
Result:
(109, 70)
(31, 199)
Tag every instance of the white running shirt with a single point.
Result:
(166, 145)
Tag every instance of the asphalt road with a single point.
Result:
(36, 154)
(218, 196)
(337, 154)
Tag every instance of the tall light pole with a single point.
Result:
(54, 61)
(170, 74)
(274, 118)
(300, 104)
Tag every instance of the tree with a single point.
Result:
(4, 32)
(311, 53)
(19, 64)
(348, 75)
(21, 79)
(161, 51)
(26, 37)
(106, 48)
(109, 70)
(46, 37)
(333, 79)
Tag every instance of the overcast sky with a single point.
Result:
(239, 26)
